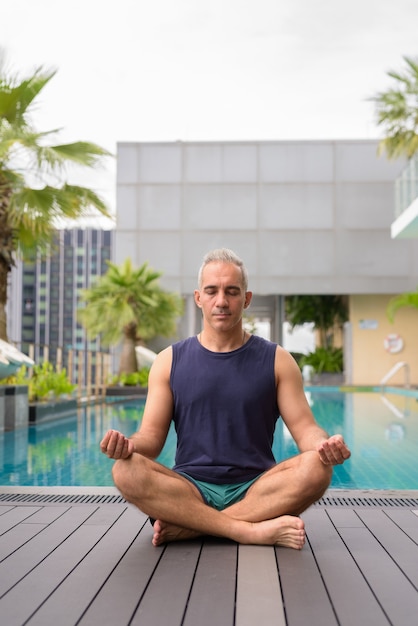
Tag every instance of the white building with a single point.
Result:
(307, 216)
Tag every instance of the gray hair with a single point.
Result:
(224, 255)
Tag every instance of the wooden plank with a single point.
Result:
(18, 564)
(302, 586)
(118, 598)
(47, 515)
(94, 564)
(41, 581)
(303, 589)
(18, 535)
(406, 520)
(165, 598)
(396, 595)
(109, 514)
(259, 595)
(402, 549)
(15, 516)
(70, 600)
(352, 600)
(212, 599)
(344, 518)
(4, 508)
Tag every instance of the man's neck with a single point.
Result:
(222, 342)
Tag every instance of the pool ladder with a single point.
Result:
(398, 366)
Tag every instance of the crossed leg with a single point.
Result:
(268, 514)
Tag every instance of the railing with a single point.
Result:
(406, 186)
(398, 366)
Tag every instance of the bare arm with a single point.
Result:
(151, 436)
(298, 417)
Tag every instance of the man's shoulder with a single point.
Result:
(184, 345)
(262, 341)
(185, 342)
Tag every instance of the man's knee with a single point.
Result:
(119, 474)
(126, 474)
(319, 474)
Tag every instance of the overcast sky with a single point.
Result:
(163, 70)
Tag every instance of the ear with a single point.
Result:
(248, 298)
(197, 298)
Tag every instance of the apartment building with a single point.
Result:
(45, 295)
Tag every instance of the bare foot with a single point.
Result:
(166, 533)
(286, 530)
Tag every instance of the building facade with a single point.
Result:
(308, 217)
(45, 296)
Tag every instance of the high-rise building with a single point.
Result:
(46, 294)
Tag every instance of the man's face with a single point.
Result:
(221, 295)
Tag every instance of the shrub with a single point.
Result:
(134, 379)
(324, 360)
(44, 382)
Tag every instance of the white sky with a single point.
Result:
(163, 70)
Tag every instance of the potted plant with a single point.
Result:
(50, 391)
(134, 383)
(327, 364)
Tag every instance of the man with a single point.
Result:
(225, 390)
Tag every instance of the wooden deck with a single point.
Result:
(84, 556)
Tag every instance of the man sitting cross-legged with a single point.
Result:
(225, 389)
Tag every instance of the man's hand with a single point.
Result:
(116, 446)
(333, 451)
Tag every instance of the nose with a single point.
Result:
(221, 300)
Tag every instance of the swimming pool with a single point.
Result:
(381, 430)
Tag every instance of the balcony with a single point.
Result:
(405, 225)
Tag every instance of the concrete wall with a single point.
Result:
(307, 217)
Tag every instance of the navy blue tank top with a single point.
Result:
(225, 410)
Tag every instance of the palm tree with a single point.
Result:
(401, 301)
(128, 304)
(33, 194)
(397, 112)
(326, 312)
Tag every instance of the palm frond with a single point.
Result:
(17, 95)
(81, 200)
(397, 112)
(401, 301)
(82, 152)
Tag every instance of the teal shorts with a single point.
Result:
(220, 496)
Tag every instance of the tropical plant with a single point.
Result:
(134, 379)
(324, 360)
(397, 112)
(325, 312)
(401, 301)
(127, 303)
(34, 192)
(45, 382)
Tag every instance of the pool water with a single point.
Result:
(381, 431)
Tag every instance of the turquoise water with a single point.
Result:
(381, 430)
